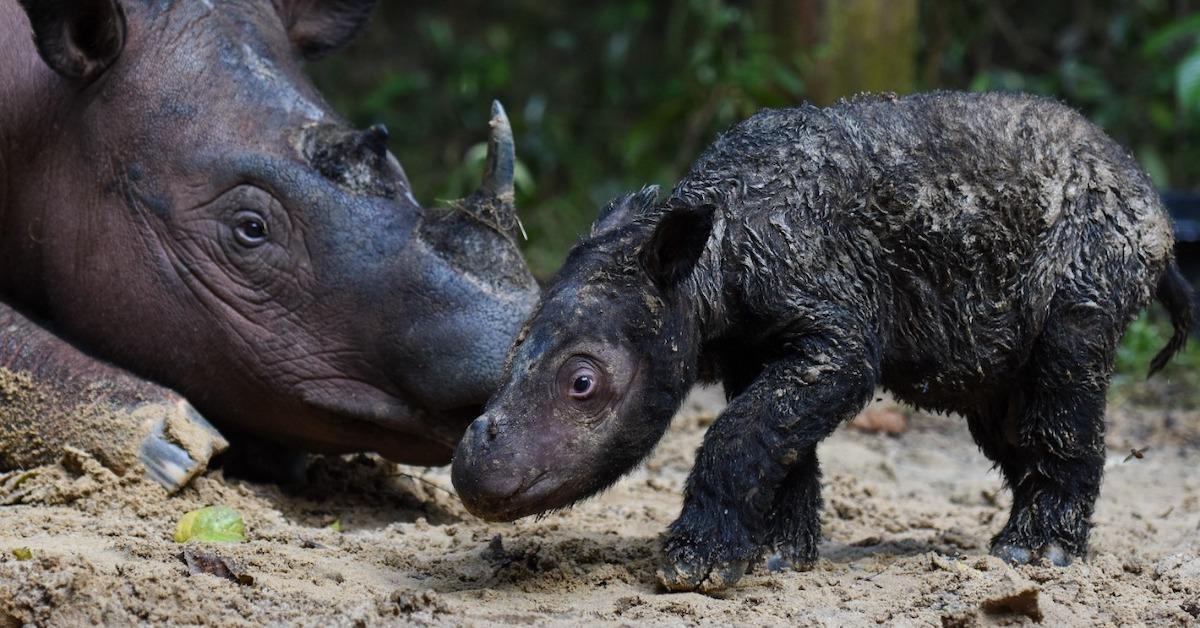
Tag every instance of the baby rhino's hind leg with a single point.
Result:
(1055, 466)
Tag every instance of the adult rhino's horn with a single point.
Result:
(497, 183)
(374, 140)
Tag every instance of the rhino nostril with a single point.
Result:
(483, 430)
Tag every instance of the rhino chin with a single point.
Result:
(353, 400)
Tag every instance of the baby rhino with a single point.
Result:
(973, 253)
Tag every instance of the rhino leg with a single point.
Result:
(54, 396)
(1050, 443)
(755, 486)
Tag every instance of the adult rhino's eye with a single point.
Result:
(251, 229)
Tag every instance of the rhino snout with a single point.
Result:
(480, 477)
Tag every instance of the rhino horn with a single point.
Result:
(493, 202)
(497, 186)
(374, 140)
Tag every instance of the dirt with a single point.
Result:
(907, 521)
(36, 417)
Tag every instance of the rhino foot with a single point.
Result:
(1013, 554)
(180, 443)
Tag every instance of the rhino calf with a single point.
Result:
(973, 253)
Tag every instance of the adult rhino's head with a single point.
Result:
(207, 221)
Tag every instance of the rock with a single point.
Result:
(882, 417)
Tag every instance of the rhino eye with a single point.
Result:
(251, 229)
(583, 383)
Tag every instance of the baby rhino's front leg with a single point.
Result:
(755, 483)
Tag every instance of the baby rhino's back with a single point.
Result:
(996, 209)
(1002, 183)
(968, 216)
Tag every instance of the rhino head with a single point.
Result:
(190, 208)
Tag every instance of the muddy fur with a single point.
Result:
(973, 253)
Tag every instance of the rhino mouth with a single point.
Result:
(386, 423)
(539, 494)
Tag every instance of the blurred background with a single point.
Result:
(605, 97)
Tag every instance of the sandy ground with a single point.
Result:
(907, 521)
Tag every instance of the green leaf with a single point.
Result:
(1152, 160)
(1187, 82)
(981, 83)
(1167, 36)
(1162, 115)
(211, 524)
(22, 553)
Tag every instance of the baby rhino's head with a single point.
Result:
(593, 379)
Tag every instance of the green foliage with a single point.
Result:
(603, 98)
(1132, 67)
(1178, 382)
(606, 97)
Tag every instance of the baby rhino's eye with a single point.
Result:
(582, 385)
(582, 382)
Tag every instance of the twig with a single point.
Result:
(424, 481)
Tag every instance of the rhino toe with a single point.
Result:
(180, 444)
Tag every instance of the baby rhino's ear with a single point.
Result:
(678, 241)
(623, 209)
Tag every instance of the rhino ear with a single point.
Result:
(78, 39)
(676, 244)
(624, 209)
(318, 27)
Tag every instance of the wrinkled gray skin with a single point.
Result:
(974, 253)
(177, 200)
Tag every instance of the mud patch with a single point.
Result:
(35, 421)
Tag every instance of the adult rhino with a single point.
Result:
(187, 230)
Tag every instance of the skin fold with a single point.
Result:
(972, 253)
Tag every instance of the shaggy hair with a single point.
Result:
(973, 253)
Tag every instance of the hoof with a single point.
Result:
(1016, 555)
(780, 561)
(1012, 554)
(1056, 555)
(694, 576)
(179, 445)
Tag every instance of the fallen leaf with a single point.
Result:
(219, 524)
(1136, 453)
(200, 561)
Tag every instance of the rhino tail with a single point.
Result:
(1176, 296)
